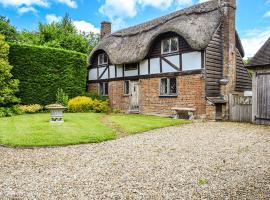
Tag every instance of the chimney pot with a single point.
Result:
(106, 29)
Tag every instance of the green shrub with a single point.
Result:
(94, 95)
(80, 104)
(100, 106)
(42, 70)
(10, 111)
(34, 108)
(61, 97)
(86, 104)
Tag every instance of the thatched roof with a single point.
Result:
(196, 24)
(262, 57)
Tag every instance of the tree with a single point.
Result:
(8, 85)
(7, 30)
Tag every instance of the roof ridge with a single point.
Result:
(186, 11)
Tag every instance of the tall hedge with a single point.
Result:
(42, 70)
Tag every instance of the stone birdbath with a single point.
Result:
(56, 112)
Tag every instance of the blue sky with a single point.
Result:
(253, 16)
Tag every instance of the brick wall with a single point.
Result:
(191, 90)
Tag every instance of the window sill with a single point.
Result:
(126, 95)
(168, 96)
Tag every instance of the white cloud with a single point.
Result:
(27, 3)
(161, 4)
(267, 14)
(202, 1)
(69, 3)
(83, 26)
(23, 10)
(50, 18)
(254, 39)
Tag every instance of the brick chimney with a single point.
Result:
(106, 29)
(228, 8)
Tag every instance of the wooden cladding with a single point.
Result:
(214, 65)
(243, 80)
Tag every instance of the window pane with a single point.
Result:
(126, 87)
(173, 87)
(163, 86)
(174, 44)
(105, 59)
(101, 89)
(106, 88)
(165, 46)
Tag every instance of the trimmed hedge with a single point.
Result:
(42, 70)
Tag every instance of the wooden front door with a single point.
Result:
(134, 97)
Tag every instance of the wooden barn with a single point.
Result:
(261, 85)
(189, 60)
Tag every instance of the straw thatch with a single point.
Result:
(196, 24)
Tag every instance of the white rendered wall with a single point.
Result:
(105, 75)
(144, 67)
(119, 70)
(112, 71)
(168, 68)
(191, 61)
(154, 66)
(93, 74)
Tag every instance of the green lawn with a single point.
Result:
(33, 130)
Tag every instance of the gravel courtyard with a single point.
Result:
(196, 161)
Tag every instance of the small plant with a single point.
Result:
(61, 97)
(100, 106)
(203, 181)
(34, 108)
(116, 111)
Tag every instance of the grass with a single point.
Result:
(34, 130)
(140, 123)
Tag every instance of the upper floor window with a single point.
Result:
(103, 59)
(169, 45)
(130, 67)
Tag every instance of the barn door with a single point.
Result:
(134, 96)
(263, 98)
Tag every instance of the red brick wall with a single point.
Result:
(191, 90)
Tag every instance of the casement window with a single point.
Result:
(104, 89)
(130, 67)
(168, 87)
(126, 88)
(103, 59)
(169, 45)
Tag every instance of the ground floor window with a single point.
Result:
(168, 87)
(104, 89)
(126, 88)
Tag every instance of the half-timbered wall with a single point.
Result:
(214, 65)
(155, 62)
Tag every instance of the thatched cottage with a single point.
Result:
(191, 58)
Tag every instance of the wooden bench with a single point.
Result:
(184, 113)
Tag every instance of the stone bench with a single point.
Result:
(184, 113)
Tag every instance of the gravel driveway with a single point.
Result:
(197, 161)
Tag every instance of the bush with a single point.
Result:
(10, 111)
(61, 97)
(42, 70)
(94, 95)
(80, 104)
(34, 108)
(86, 104)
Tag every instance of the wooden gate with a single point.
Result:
(261, 100)
(240, 108)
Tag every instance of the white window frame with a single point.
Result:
(103, 61)
(168, 94)
(170, 45)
